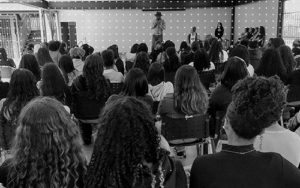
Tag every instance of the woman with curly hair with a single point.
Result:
(216, 53)
(29, 62)
(22, 89)
(47, 151)
(127, 152)
(89, 94)
(257, 103)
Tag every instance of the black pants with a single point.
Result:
(86, 132)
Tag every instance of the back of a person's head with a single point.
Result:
(168, 44)
(142, 61)
(195, 46)
(142, 48)
(201, 60)
(22, 86)
(134, 48)
(190, 96)
(29, 62)
(186, 57)
(173, 62)
(183, 46)
(88, 49)
(108, 58)
(214, 51)
(235, 70)
(276, 42)
(135, 83)
(126, 132)
(66, 64)
(3, 54)
(54, 45)
(115, 50)
(287, 58)
(53, 83)
(245, 42)
(43, 57)
(63, 48)
(253, 44)
(156, 74)
(257, 103)
(241, 52)
(271, 64)
(77, 53)
(50, 138)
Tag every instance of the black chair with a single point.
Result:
(116, 88)
(187, 131)
(207, 78)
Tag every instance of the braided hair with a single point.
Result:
(127, 141)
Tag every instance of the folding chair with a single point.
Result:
(187, 131)
(116, 88)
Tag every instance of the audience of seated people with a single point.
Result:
(4, 60)
(77, 100)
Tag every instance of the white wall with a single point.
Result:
(102, 28)
(261, 13)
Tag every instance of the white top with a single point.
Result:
(250, 70)
(159, 91)
(113, 76)
(284, 142)
(212, 66)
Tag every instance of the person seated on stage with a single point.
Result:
(117, 60)
(271, 93)
(243, 53)
(77, 55)
(255, 54)
(54, 51)
(193, 36)
(110, 71)
(271, 64)
(47, 150)
(4, 60)
(142, 61)
(158, 88)
(128, 153)
(239, 164)
(135, 85)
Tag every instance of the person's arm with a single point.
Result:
(163, 25)
(154, 24)
(291, 175)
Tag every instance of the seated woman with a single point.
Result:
(275, 138)
(47, 150)
(127, 151)
(66, 66)
(43, 56)
(89, 94)
(201, 61)
(117, 60)
(171, 64)
(4, 60)
(238, 164)
(158, 88)
(293, 82)
(53, 85)
(110, 70)
(135, 85)
(29, 62)
(142, 61)
(235, 70)
(242, 52)
(22, 89)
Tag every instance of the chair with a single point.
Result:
(207, 78)
(187, 131)
(116, 88)
(6, 72)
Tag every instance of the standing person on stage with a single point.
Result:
(219, 32)
(158, 26)
(193, 36)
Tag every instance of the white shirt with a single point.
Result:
(250, 70)
(284, 142)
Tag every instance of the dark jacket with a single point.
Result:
(294, 86)
(4, 86)
(83, 106)
(120, 65)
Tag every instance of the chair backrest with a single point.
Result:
(207, 77)
(6, 72)
(116, 88)
(188, 127)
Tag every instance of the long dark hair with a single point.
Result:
(53, 83)
(22, 89)
(43, 56)
(235, 70)
(242, 52)
(62, 49)
(156, 74)
(135, 83)
(142, 61)
(190, 97)
(127, 138)
(201, 60)
(98, 86)
(3, 55)
(29, 62)
(271, 64)
(66, 66)
(287, 58)
(215, 51)
(173, 62)
(48, 148)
